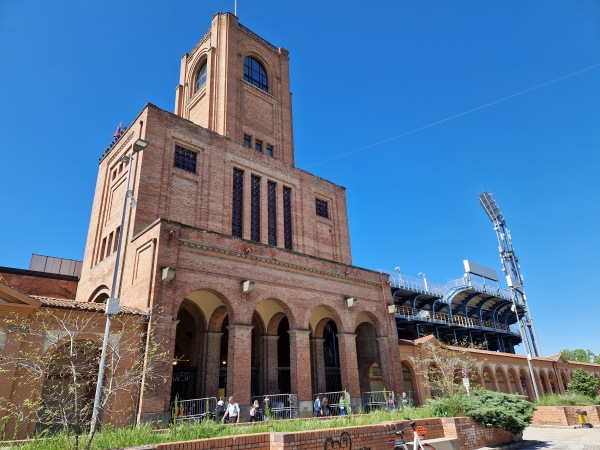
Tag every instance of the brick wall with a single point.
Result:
(564, 415)
(470, 437)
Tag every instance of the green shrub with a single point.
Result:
(583, 382)
(455, 406)
(495, 409)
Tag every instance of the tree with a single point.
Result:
(443, 366)
(597, 359)
(53, 364)
(584, 383)
(578, 355)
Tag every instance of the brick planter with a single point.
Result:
(564, 415)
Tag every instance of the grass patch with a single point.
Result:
(110, 438)
(567, 400)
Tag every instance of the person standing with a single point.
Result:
(317, 406)
(391, 402)
(404, 400)
(343, 405)
(325, 407)
(233, 411)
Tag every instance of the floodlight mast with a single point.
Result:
(511, 270)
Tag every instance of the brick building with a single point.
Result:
(247, 257)
(244, 261)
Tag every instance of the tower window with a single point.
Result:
(322, 208)
(201, 77)
(255, 208)
(255, 74)
(185, 159)
(287, 217)
(258, 146)
(272, 212)
(247, 141)
(269, 150)
(237, 212)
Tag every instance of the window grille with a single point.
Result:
(185, 159)
(255, 208)
(272, 212)
(322, 208)
(237, 209)
(255, 74)
(287, 217)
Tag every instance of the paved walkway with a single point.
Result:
(562, 437)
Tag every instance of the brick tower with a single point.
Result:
(242, 259)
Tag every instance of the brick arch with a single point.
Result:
(492, 374)
(538, 381)
(98, 295)
(502, 372)
(405, 363)
(193, 310)
(215, 323)
(553, 382)
(545, 381)
(479, 380)
(264, 57)
(564, 378)
(318, 332)
(528, 383)
(182, 294)
(259, 324)
(273, 325)
(376, 323)
(199, 59)
(513, 372)
(287, 311)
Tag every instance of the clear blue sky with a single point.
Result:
(368, 78)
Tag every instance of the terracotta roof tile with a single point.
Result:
(84, 306)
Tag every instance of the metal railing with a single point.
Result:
(333, 398)
(442, 291)
(442, 318)
(377, 400)
(197, 409)
(278, 406)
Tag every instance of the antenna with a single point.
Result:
(511, 269)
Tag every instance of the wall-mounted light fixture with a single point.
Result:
(247, 286)
(168, 274)
(351, 302)
(392, 309)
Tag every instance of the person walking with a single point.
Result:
(255, 415)
(233, 411)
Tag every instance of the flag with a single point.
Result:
(119, 130)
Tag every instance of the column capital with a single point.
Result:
(239, 327)
(346, 335)
(299, 332)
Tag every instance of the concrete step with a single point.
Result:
(439, 444)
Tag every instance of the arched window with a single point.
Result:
(254, 73)
(201, 77)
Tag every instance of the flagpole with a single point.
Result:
(235, 8)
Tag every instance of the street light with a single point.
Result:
(424, 280)
(398, 269)
(112, 305)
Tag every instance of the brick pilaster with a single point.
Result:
(239, 363)
(349, 363)
(300, 363)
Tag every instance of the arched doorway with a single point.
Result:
(367, 353)
(331, 356)
(283, 357)
(501, 380)
(488, 379)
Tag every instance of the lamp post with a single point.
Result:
(424, 280)
(399, 270)
(513, 308)
(112, 305)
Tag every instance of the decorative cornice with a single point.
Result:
(272, 261)
(257, 38)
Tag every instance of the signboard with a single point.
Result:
(482, 271)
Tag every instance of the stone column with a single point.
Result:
(318, 364)
(349, 364)
(213, 363)
(239, 358)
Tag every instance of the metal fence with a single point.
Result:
(333, 398)
(378, 400)
(193, 410)
(278, 406)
